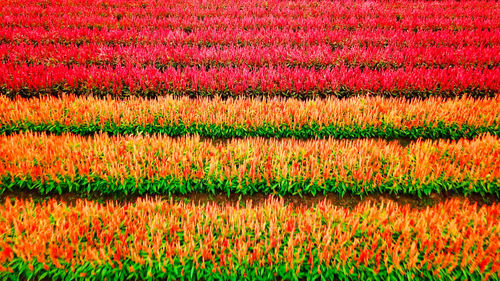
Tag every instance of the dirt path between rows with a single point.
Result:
(348, 201)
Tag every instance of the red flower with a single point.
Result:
(6, 253)
(483, 264)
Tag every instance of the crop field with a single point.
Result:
(122, 120)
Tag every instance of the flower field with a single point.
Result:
(158, 164)
(161, 239)
(252, 48)
(352, 118)
(115, 115)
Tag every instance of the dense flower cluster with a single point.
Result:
(164, 165)
(32, 80)
(111, 98)
(316, 56)
(249, 48)
(216, 118)
(154, 239)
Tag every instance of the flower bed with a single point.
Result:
(215, 118)
(154, 239)
(164, 165)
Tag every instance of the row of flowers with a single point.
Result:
(164, 165)
(153, 239)
(252, 48)
(245, 117)
(254, 15)
(319, 56)
(33, 80)
(238, 37)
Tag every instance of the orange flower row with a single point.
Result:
(159, 164)
(168, 111)
(159, 238)
(353, 117)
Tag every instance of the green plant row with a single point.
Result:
(93, 185)
(440, 130)
(187, 270)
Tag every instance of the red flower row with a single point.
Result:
(319, 56)
(341, 81)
